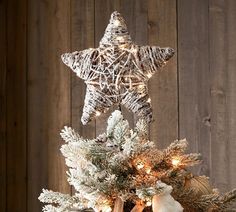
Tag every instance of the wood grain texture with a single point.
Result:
(222, 68)
(162, 31)
(37, 89)
(231, 87)
(3, 109)
(49, 102)
(82, 37)
(194, 77)
(218, 95)
(231, 95)
(16, 113)
(58, 91)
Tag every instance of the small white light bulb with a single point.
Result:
(175, 161)
(123, 46)
(141, 86)
(149, 100)
(148, 203)
(98, 113)
(140, 165)
(148, 170)
(116, 22)
(149, 75)
(120, 38)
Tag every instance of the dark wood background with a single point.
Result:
(193, 97)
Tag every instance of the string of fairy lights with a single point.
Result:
(145, 171)
(117, 72)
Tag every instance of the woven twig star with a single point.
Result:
(117, 71)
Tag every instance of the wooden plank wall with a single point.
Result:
(3, 108)
(16, 105)
(48, 96)
(193, 97)
(162, 30)
(194, 78)
(222, 59)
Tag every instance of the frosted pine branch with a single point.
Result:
(141, 127)
(48, 196)
(123, 163)
(227, 199)
(112, 121)
(178, 147)
(61, 202)
(69, 135)
(146, 193)
(191, 159)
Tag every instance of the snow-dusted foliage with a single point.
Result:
(123, 164)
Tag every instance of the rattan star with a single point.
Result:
(117, 71)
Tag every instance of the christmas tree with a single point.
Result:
(121, 169)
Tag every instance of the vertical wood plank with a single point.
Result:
(135, 14)
(38, 69)
(82, 37)
(162, 31)
(49, 107)
(16, 106)
(58, 91)
(218, 69)
(194, 87)
(222, 67)
(103, 10)
(231, 106)
(3, 108)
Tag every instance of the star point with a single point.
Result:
(117, 71)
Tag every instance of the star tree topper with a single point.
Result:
(117, 71)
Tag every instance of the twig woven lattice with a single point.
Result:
(117, 71)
